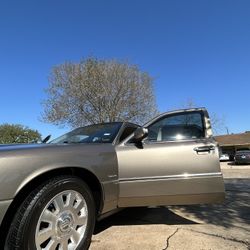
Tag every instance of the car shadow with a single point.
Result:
(234, 212)
(141, 216)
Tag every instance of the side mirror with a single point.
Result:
(140, 133)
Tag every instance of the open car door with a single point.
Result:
(177, 163)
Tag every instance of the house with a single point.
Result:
(229, 144)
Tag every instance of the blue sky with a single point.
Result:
(196, 50)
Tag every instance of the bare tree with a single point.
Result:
(217, 122)
(95, 91)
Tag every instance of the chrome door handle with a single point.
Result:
(204, 148)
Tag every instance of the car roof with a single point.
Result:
(242, 151)
(117, 122)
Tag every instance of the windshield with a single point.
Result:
(97, 133)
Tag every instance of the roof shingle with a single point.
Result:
(234, 139)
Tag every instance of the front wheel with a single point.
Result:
(58, 215)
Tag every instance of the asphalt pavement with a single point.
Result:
(219, 226)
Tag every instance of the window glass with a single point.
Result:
(177, 127)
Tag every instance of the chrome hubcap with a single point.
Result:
(65, 223)
(62, 223)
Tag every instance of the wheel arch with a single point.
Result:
(87, 176)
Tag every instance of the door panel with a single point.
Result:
(169, 172)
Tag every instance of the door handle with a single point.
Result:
(204, 148)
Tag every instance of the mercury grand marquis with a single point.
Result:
(52, 193)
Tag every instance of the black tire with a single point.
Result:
(21, 235)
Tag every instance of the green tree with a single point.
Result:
(16, 133)
(95, 91)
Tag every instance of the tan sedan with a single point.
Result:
(51, 194)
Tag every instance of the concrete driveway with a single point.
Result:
(224, 226)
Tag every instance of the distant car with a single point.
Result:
(52, 193)
(224, 157)
(242, 157)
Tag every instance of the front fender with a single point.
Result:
(19, 167)
(46, 169)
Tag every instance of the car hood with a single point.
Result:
(10, 147)
(46, 155)
(50, 148)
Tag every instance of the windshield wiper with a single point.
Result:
(45, 140)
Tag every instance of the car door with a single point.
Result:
(178, 163)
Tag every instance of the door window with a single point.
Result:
(177, 127)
